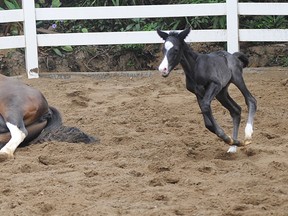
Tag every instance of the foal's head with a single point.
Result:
(172, 50)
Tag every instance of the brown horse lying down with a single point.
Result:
(26, 117)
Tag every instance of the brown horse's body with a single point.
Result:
(24, 113)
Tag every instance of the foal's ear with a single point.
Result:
(182, 35)
(162, 34)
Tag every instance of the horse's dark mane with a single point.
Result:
(173, 34)
(189, 50)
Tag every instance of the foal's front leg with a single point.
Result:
(205, 105)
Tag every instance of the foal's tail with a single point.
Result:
(56, 131)
(243, 58)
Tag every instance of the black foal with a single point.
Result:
(208, 76)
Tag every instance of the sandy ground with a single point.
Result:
(155, 156)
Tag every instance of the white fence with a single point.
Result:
(231, 9)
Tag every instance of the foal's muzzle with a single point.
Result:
(164, 71)
(165, 74)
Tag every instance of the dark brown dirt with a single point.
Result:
(155, 156)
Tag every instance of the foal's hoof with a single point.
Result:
(247, 142)
(233, 142)
(4, 156)
(229, 141)
(232, 149)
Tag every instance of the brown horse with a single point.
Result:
(26, 117)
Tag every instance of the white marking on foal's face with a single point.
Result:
(164, 66)
(168, 45)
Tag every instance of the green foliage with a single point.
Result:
(201, 1)
(58, 51)
(136, 24)
(199, 22)
(116, 2)
(219, 22)
(13, 28)
(284, 61)
(11, 5)
(46, 3)
(264, 22)
(56, 3)
(84, 30)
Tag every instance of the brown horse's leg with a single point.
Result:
(17, 136)
(5, 137)
(7, 152)
(34, 130)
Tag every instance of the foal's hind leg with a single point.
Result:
(252, 107)
(235, 111)
(18, 134)
(210, 123)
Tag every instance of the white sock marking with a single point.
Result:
(248, 131)
(232, 149)
(17, 136)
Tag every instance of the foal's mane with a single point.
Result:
(187, 48)
(173, 34)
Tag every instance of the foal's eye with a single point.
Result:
(175, 50)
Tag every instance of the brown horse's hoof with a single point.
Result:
(4, 156)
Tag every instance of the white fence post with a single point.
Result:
(232, 26)
(31, 48)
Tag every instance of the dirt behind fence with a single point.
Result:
(155, 156)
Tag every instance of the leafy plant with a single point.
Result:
(116, 2)
(56, 3)
(58, 51)
(198, 22)
(284, 61)
(45, 3)
(219, 22)
(11, 5)
(12, 28)
(136, 24)
(273, 22)
(264, 22)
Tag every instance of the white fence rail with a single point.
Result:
(231, 9)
